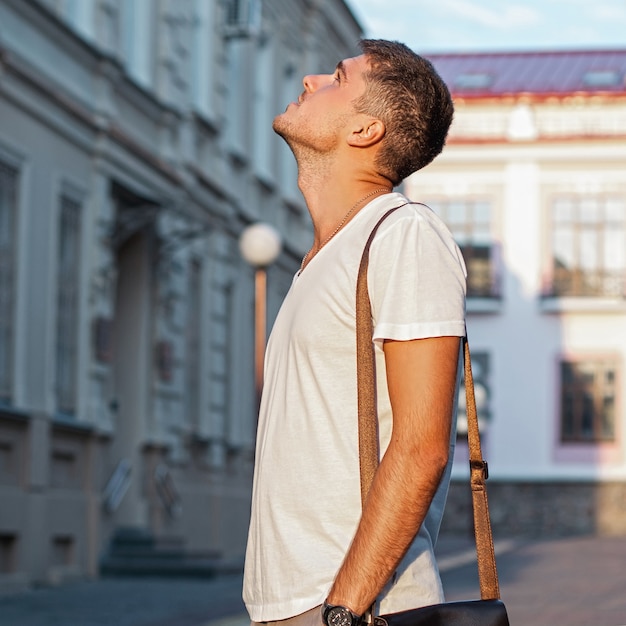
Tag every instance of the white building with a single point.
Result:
(135, 146)
(533, 185)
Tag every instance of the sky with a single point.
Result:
(495, 25)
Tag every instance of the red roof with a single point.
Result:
(559, 72)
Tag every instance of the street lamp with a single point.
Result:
(260, 245)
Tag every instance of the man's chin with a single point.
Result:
(279, 126)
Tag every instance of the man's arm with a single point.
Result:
(421, 377)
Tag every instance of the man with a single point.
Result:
(314, 556)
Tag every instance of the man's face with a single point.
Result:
(319, 119)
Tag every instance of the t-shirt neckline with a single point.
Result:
(356, 217)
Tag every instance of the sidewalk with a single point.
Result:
(577, 581)
(564, 582)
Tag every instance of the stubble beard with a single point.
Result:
(279, 127)
(285, 128)
(302, 150)
(307, 143)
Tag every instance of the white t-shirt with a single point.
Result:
(306, 495)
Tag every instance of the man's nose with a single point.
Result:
(312, 82)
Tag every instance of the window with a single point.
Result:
(79, 14)
(602, 78)
(476, 81)
(588, 399)
(238, 96)
(290, 86)
(8, 553)
(242, 17)
(482, 392)
(203, 55)
(137, 40)
(68, 280)
(263, 110)
(221, 370)
(8, 219)
(470, 224)
(193, 336)
(588, 247)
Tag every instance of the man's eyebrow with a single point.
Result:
(341, 68)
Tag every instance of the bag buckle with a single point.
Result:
(482, 466)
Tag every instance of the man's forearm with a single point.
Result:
(421, 379)
(395, 508)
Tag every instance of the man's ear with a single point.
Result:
(367, 131)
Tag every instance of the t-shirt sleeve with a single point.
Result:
(416, 278)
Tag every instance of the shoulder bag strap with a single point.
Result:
(368, 429)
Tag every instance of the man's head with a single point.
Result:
(405, 92)
(321, 120)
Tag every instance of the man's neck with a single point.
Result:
(331, 192)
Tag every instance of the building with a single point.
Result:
(533, 185)
(135, 147)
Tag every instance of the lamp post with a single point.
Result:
(260, 245)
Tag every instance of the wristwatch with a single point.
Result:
(336, 615)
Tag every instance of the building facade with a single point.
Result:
(135, 147)
(533, 185)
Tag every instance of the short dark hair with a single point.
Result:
(407, 94)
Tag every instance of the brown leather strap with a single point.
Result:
(368, 428)
(366, 372)
(485, 553)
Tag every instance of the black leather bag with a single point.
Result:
(489, 610)
(465, 613)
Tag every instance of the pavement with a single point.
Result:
(575, 581)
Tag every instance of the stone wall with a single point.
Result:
(541, 509)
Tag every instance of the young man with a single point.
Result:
(314, 554)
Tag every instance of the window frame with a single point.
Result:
(9, 318)
(63, 328)
(549, 292)
(193, 341)
(482, 375)
(440, 206)
(602, 363)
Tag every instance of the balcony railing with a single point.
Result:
(568, 282)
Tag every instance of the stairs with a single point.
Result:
(136, 552)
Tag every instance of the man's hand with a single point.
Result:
(421, 378)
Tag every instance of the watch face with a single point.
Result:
(339, 616)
